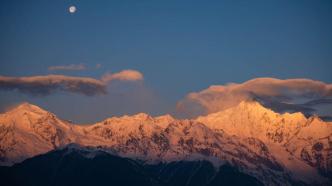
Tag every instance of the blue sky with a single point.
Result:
(179, 46)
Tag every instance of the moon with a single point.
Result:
(72, 9)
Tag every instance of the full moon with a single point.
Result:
(72, 9)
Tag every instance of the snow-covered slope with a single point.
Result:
(302, 145)
(146, 138)
(28, 130)
(275, 148)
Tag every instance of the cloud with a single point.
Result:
(68, 67)
(280, 95)
(45, 85)
(125, 75)
(49, 84)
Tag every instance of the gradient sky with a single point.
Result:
(179, 46)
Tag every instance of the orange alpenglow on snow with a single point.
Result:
(248, 135)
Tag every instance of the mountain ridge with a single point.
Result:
(251, 137)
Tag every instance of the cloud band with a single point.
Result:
(48, 84)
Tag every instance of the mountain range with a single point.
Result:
(247, 142)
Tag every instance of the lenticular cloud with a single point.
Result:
(280, 95)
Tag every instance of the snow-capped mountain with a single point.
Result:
(28, 130)
(298, 142)
(277, 149)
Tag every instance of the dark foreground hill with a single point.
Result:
(68, 167)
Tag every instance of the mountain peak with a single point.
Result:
(252, 119)
(249, 107)
(252, 105)
(141, 116)
(27, 107)
(135, 117)
(166, 117)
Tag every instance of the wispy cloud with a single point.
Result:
(48, 84)
(280, 95)
(74, 67)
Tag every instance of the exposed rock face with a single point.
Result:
(275, 148)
